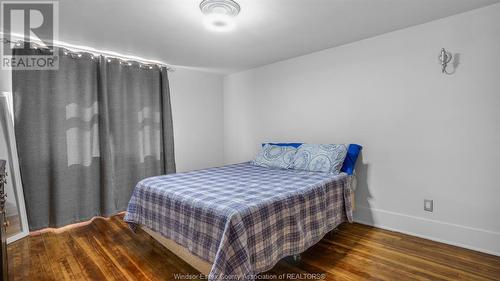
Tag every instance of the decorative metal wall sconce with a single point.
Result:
(445, 57)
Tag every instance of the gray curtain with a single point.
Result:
(87, 133)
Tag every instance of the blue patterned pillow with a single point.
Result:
(273, 156)
(326, 158)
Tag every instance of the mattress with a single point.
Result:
(241, 218)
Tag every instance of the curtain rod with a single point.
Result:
(74, 49)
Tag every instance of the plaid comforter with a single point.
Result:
(242, 218)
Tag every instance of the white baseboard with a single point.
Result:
(458, 235)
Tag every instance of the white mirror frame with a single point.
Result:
(13, 162)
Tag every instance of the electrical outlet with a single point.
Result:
(428, 205)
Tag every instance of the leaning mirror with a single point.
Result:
(15, 210)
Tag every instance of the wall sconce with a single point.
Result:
(445, 57)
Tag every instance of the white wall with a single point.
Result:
(425, 134)
(198, 119)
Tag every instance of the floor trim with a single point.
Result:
(462, 236)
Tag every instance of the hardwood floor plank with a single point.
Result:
(332, 273)
(441, 252)
(39, 267)
(85, 262)
(403, 260)
(149, 253)
(452, 258)
(97, 255)
(106, 249)
(18, 255)
(56, 252)
(365, 267)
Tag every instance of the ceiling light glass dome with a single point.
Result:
(219, 14)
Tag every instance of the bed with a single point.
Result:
(236, 221)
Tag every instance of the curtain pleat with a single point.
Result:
(87, 133)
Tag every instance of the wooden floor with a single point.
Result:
(107, 250)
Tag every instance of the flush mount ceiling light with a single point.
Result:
(219, 14)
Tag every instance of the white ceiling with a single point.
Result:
(267, 30)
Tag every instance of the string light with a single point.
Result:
(92, 56)
(90, 53)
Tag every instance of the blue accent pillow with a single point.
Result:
(327, 158)
(350, 161)
(274, 156)
(351, 158)
(292, 144)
